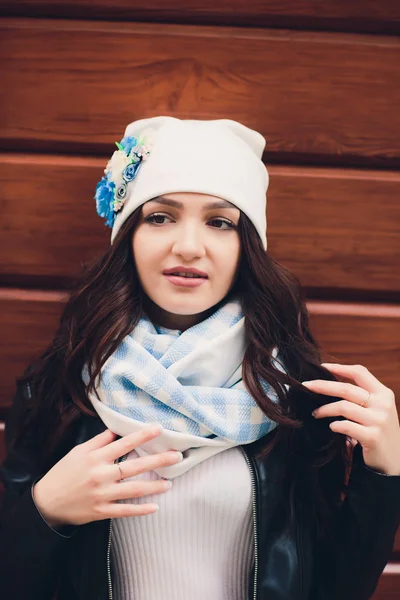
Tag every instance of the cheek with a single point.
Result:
(227, 257)
(141, 249)
(148, 255)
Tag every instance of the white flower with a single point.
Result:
(147, 137)
(116, 165)
(133, 156)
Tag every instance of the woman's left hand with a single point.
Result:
(370, 412)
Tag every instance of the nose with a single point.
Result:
(189, 242)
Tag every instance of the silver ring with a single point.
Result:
(120, 471)
(365, 402)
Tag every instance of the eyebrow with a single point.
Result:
(175, 204)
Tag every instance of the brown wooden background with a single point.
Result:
(319, 80)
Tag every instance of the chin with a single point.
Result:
(187, 306)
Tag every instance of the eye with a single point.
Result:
(229, 224)
(218, 223)
(155, 218)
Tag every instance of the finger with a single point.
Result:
(115, 511)
(127, 443)
(343, 408)
(360, 374)
(339, 389)
(354, 430)
(99, 441)
(137, 489)
(137, 466)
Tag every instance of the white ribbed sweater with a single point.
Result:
(199, 545)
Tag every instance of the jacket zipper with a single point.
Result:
(110, 590)
(254, 496)
(254, 502)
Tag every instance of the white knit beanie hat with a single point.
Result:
(163, 155)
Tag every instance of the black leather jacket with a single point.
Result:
(37, 562)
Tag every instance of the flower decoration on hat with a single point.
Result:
(121, 169)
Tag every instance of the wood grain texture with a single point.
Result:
(342, 233)
(389, 584)
(28, 322)
(51, 225)
(336, 228)
(397, 546)
(339, 15)
(328, 98)
(364, 334)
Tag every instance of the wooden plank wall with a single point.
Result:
(319, 80)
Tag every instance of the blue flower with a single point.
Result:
(104, 197)
(111, 191)
(130, 171)
(128, 143)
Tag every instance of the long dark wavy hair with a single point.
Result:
(107, 303)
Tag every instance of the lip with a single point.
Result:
(184, 281)
(181, 269)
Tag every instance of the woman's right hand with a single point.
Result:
(84, 485)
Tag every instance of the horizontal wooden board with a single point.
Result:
(348, 333)
(51, 226)
(341, 234)
(320, 97)
(28, 321)
(340, 15)
(364, 334)
(389, 583)
(336, 229)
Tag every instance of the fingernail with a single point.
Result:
(180, 455)
(305, 382)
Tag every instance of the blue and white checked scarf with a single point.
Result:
(189, 382)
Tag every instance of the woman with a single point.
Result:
(189, 344)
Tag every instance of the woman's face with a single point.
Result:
(192, 231)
